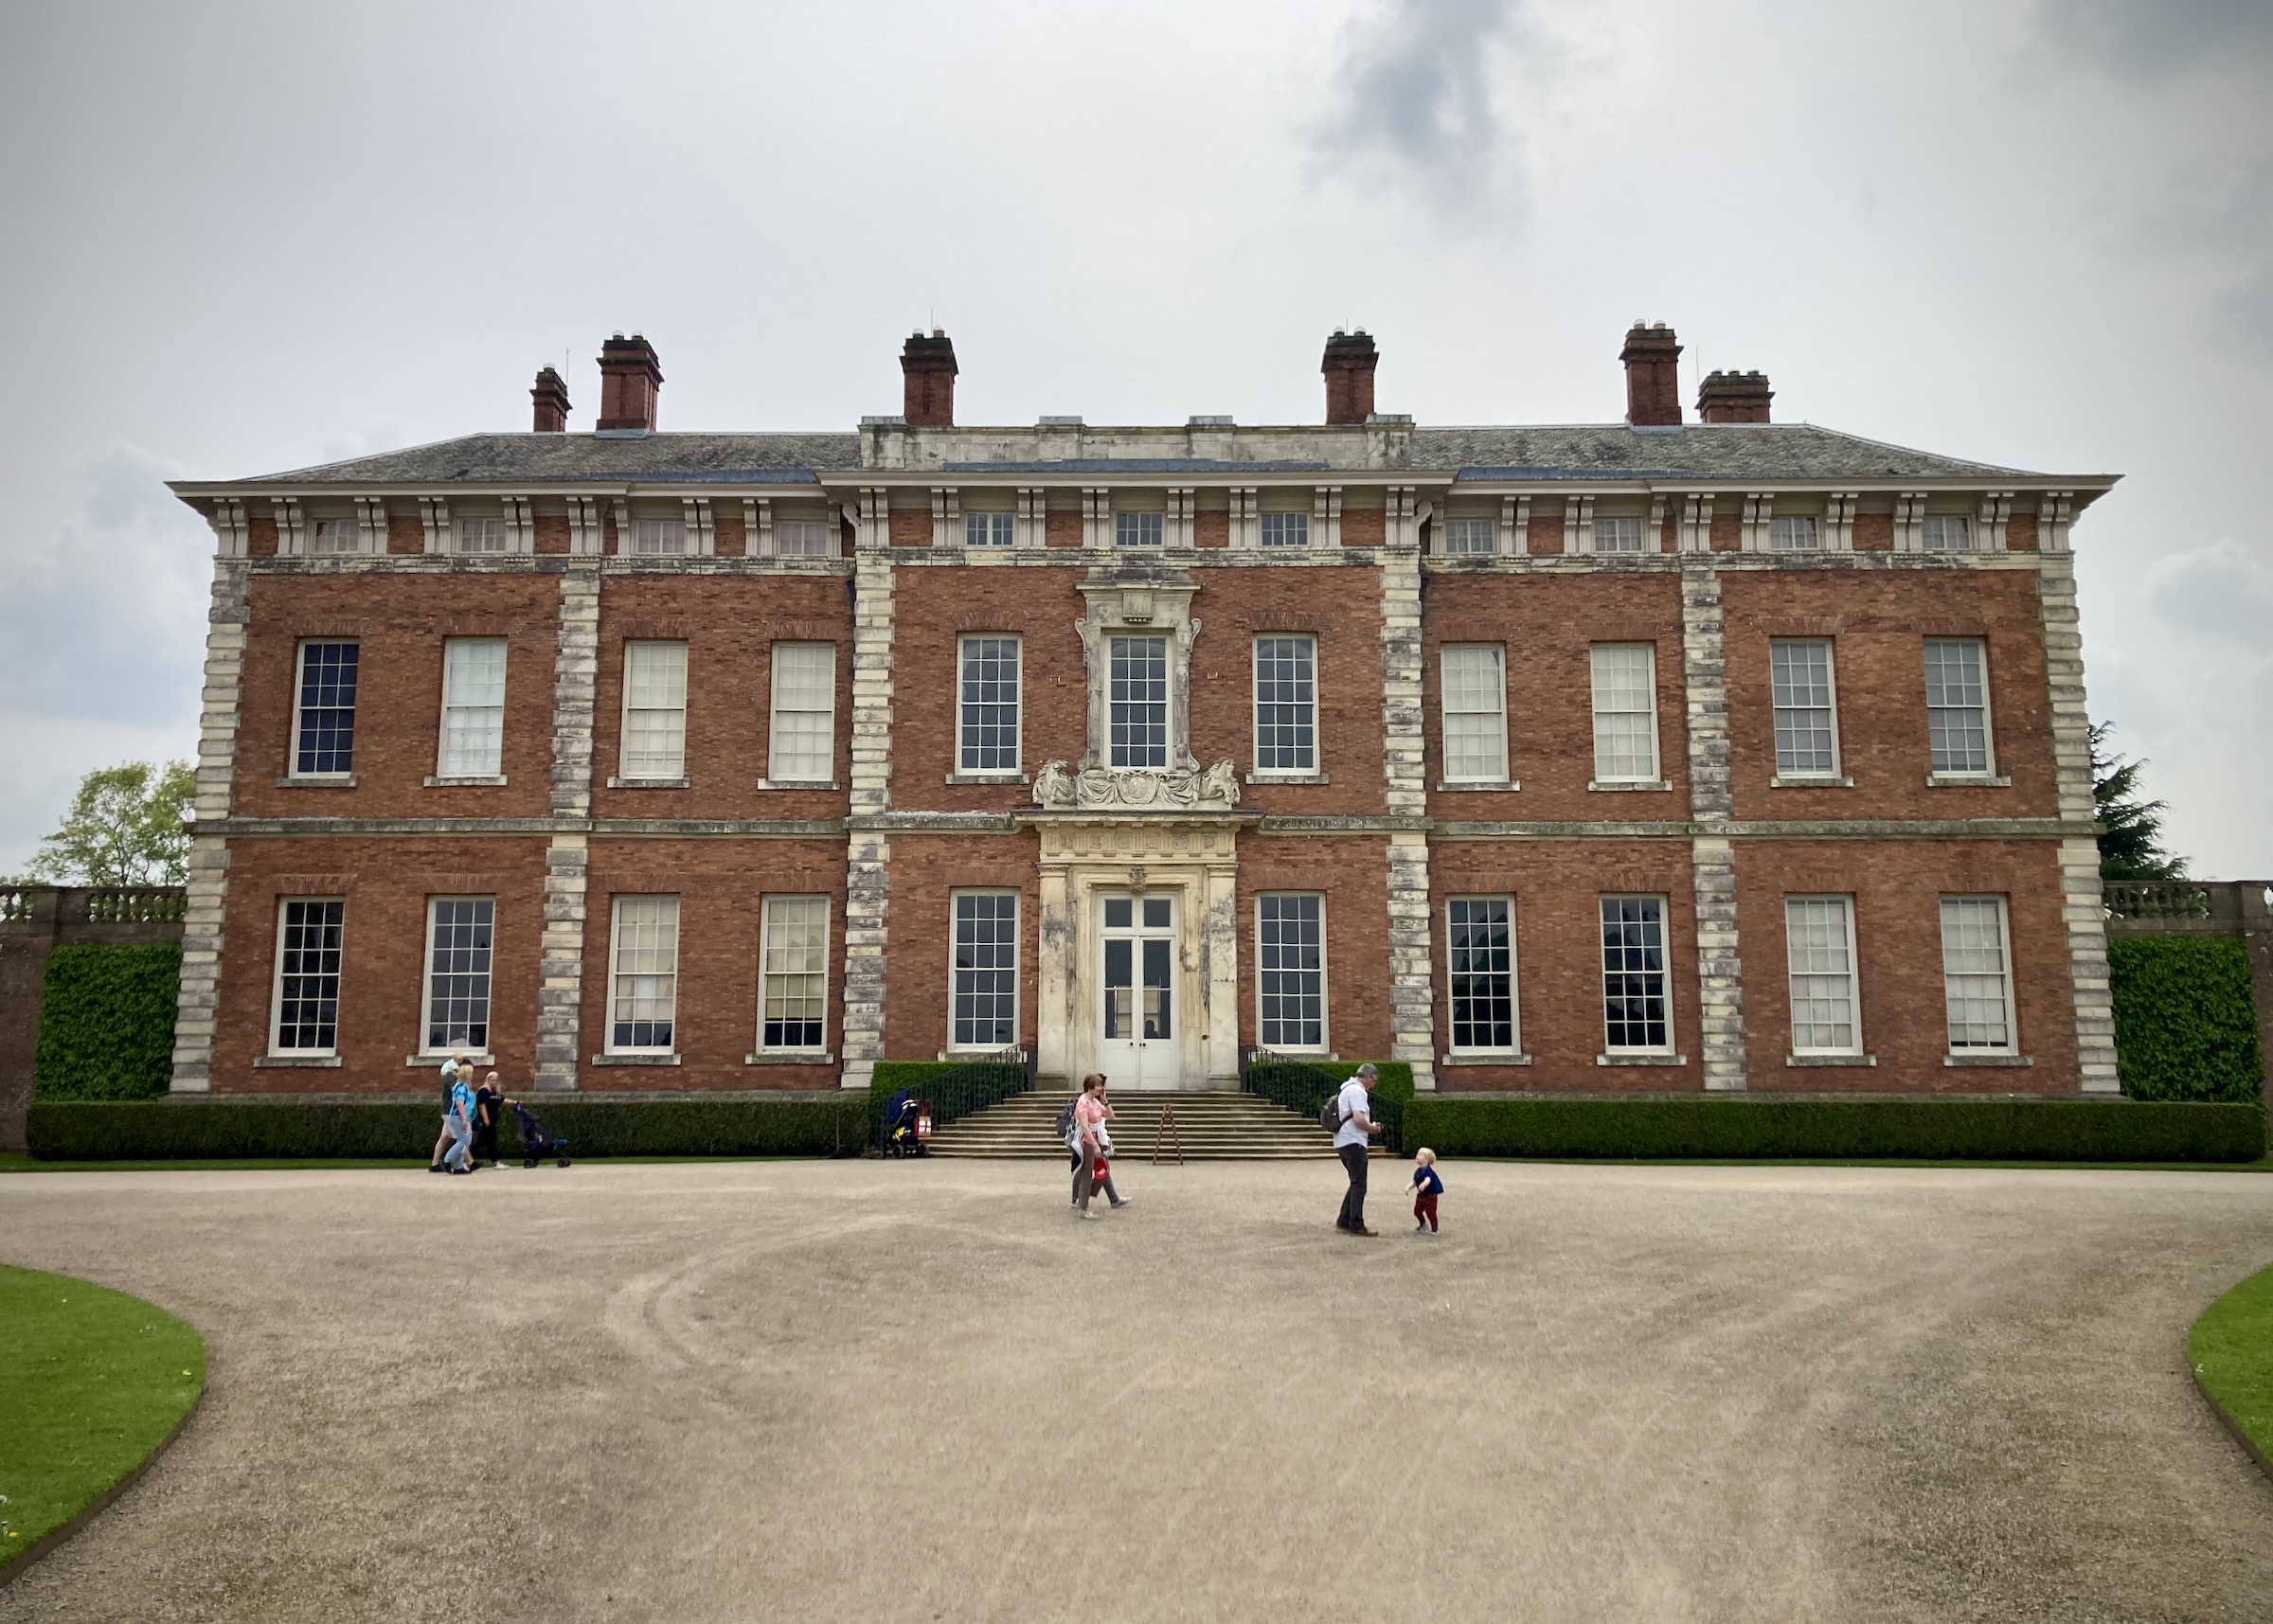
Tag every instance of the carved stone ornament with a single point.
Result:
(1057, 785)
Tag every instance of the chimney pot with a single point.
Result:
(551, 400)
(1348, 369)
(1734, 398)
(927, 373)
(631, 376)
(1653, 358)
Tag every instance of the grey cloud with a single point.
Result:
(2148, 38)
(2223, 591)
(1413, 103)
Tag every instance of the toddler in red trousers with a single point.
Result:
(1426, 1188)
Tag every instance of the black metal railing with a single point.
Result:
(968, 1088)
(1305, 1086)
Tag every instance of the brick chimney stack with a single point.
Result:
(630, 378)
(1653, 358)
(1734, 398)
(927, 372)
(1348, 369)
(551, 398)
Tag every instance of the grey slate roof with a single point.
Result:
(1585, 451)
(1704, 450)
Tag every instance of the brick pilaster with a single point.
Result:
(202, 930)
(2082, 905)
(868, 882)
(1712, 855)
(1412, 997)
(561, 971)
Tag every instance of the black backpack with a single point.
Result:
(1065, 1117)
(1330, 1114)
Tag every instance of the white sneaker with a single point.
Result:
(1086, 1212)
(1122, 1201)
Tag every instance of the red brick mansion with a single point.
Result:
(1653, 757)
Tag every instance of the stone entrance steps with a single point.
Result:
(1211, 1126)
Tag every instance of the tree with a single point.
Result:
(124, 828)
(2131, 844)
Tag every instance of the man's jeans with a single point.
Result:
(1354, 1204)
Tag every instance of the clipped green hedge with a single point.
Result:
(106, 1021)
(1935, 1130)
(889, 1078)
(2185, 1021)
(182, 1129)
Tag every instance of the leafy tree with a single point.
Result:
(124, 829)
(2131, 846)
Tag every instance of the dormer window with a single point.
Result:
(1136, 529)
(658, 538)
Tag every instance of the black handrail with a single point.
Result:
(1305, 1086)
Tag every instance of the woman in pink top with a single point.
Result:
(1089, 1114)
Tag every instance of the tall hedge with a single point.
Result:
(106, 1021)
(2185, 1023)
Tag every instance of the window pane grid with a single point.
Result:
(986, 970)
(1796, 534)
(481, 536)
(794, 969)
(1634, 992)
(307, 955)
(990, 706)
(1292, 961)
(658, 537)
(1470, 537)
(804, 539)
(457, 973)
(1626, 718)
(1618, 535)
(1136, 529)
(804, 742)
(1286, 529)
(1820, 946)
(1479, 954)
(989, 529)
(1476, 736)
(328, 674)
(654, 711)
(473, 706)
(1800, 675)
(1137, 700)
(1976, 980)
(1286, 704)
(1945, 533)
(646, 973)
(337, 536)
(1956, 705)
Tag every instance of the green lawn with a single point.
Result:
(94, 1380)
(2231, 1346)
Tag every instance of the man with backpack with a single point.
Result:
(1352, 1142)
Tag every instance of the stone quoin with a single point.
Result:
(1647, 756)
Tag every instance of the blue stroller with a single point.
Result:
(535, 1141)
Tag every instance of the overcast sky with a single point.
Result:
(247, 238)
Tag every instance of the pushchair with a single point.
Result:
(535, 1141)
(909, 1129)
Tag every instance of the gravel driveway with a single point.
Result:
(884, 1392)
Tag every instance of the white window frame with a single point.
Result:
(495, 768)
(1830, 688)
(2011, 1046)
(1299, 520)
(1784, 527)
(765, 946)
(623, 743)
(1324, 1044)
(1445, 712)
(1853, 977)
(774, 777)
(299, 711)
(804, 532)
(1614, 526)
(983, 526)
(1940, 524)
(276, 995)
(480, 525)
(1255, 704)
(1656, 775)
(616, 972)
(963, 768)
(324, 531)
(649, 536)
(1665, 972)
(1126, 520)
(1453, 1045)
(488, 995)
(1468, 530)
(1115, 747)
(1987, 771)
(955, 926)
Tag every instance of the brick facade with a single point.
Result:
(1411, 540)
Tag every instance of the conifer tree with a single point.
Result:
(2131, 839)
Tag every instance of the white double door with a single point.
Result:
(1138, 1038)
